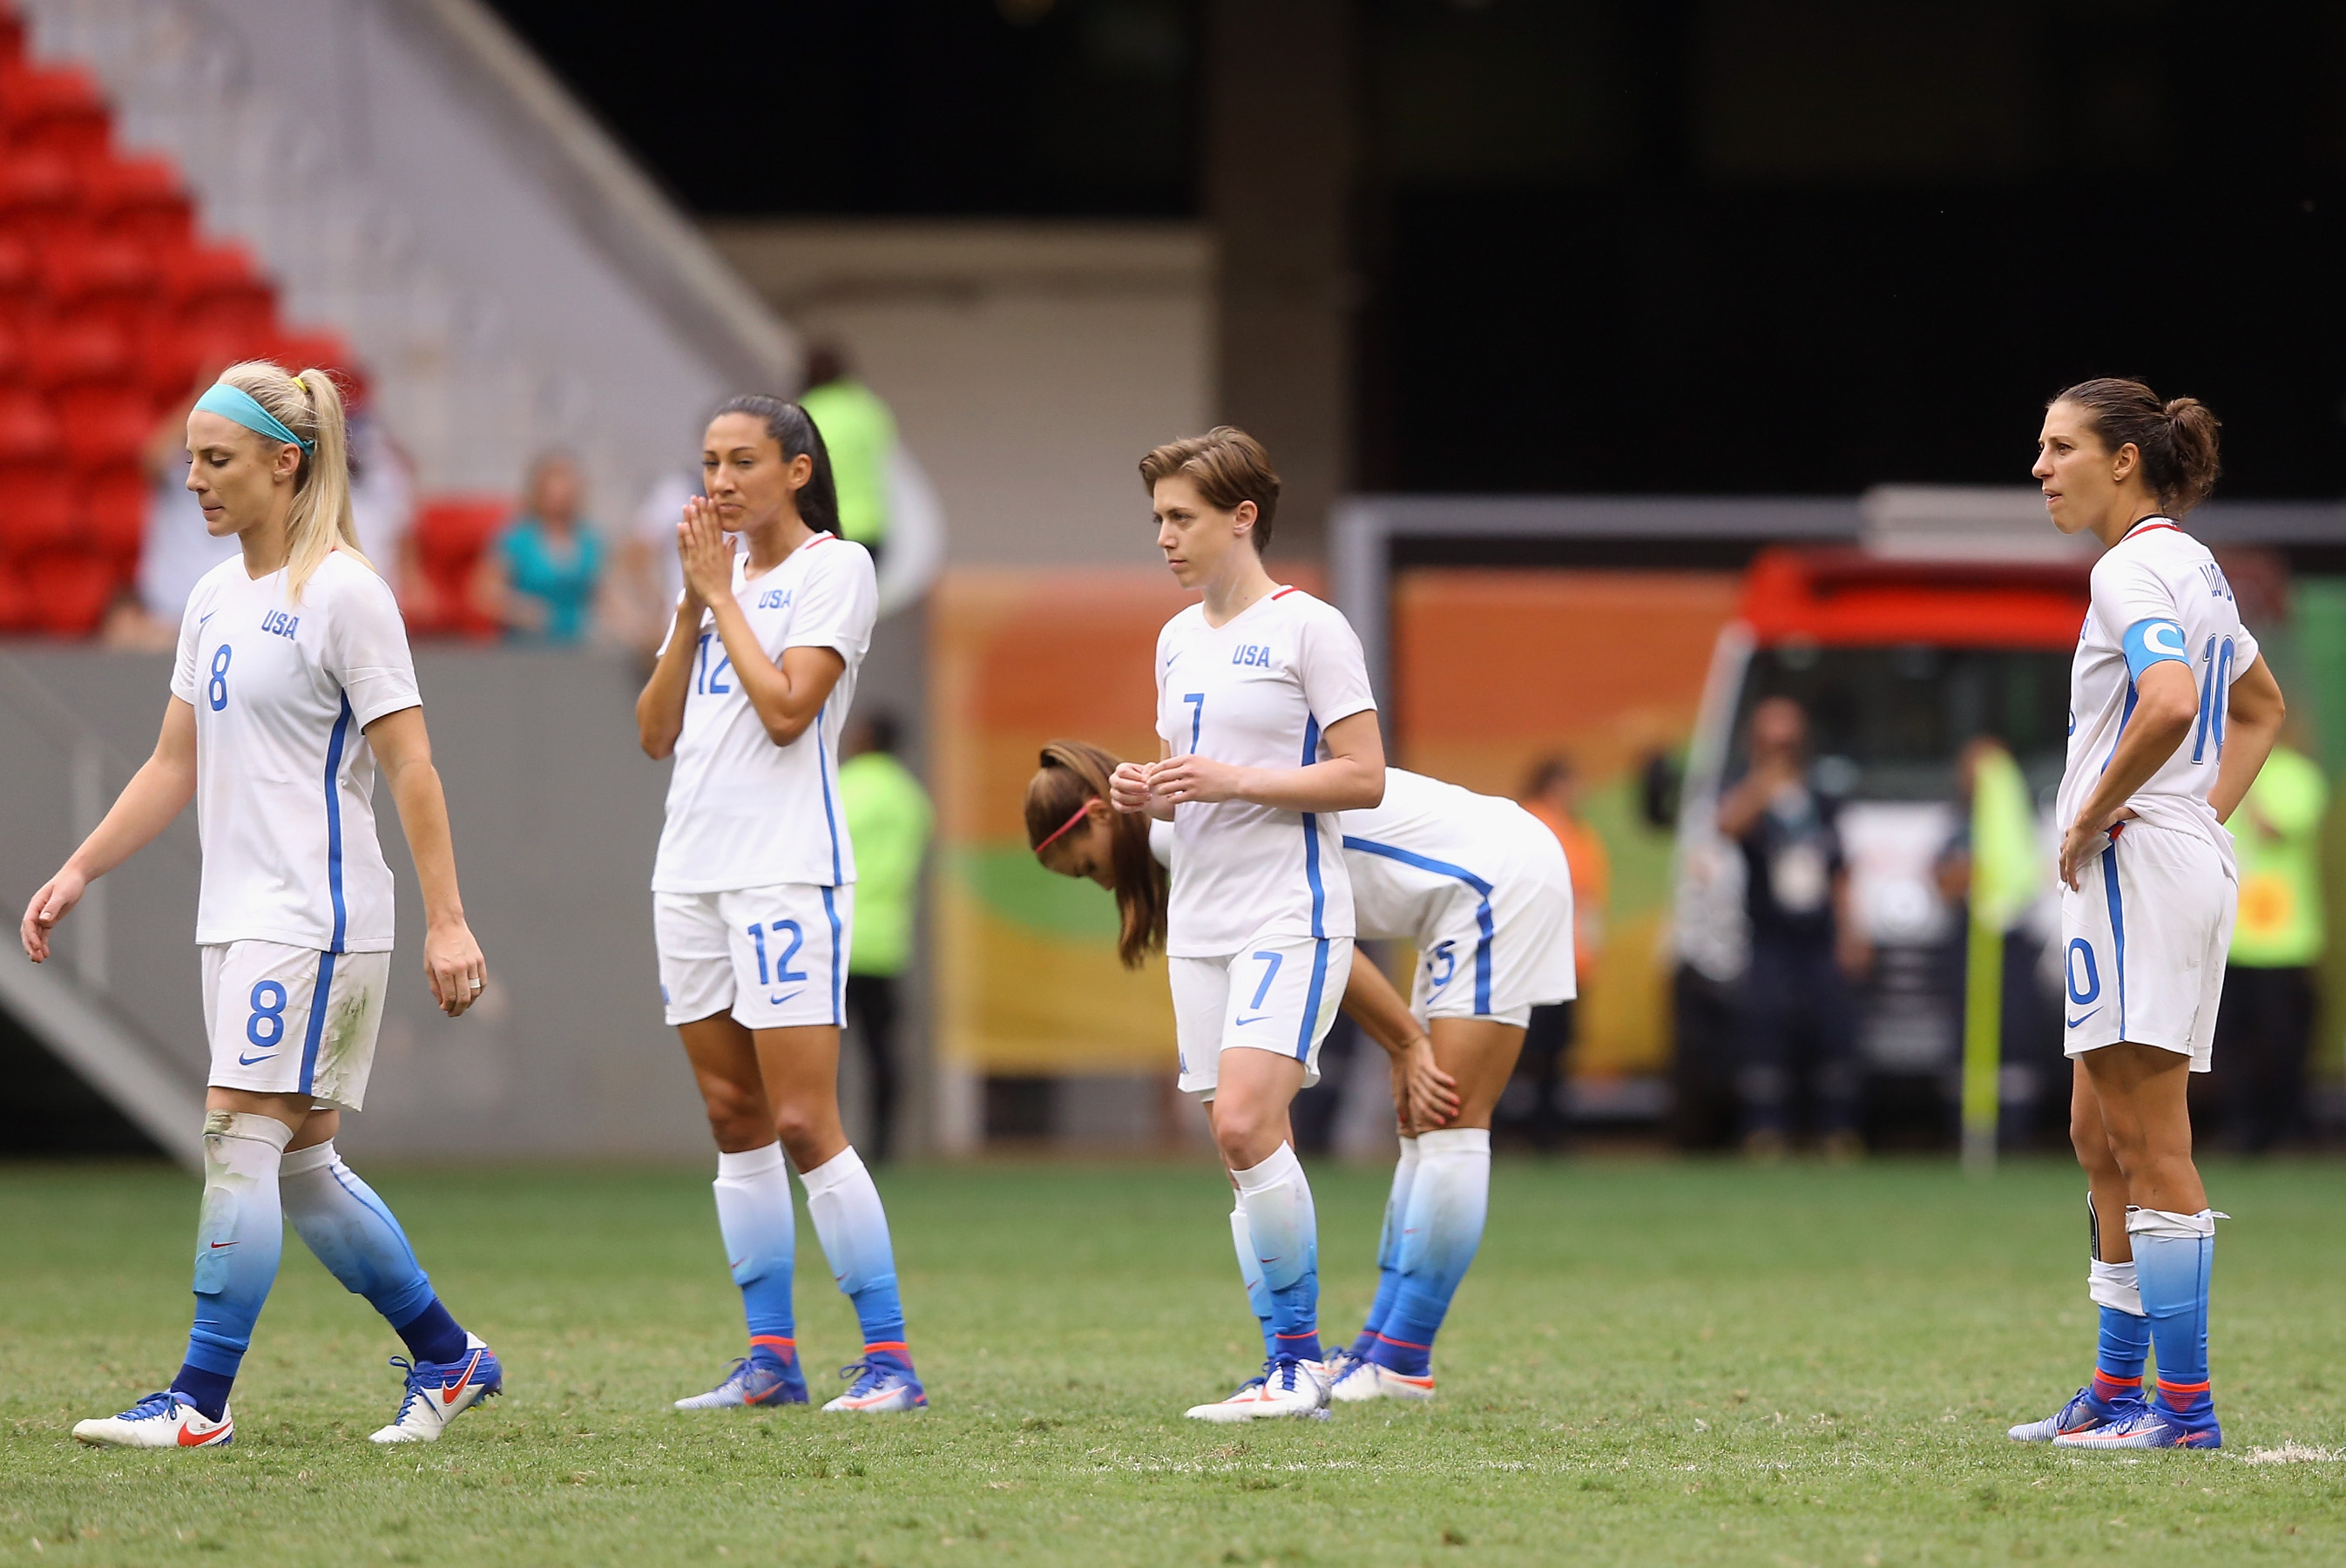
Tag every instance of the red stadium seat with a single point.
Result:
(39, 509)
(16, 603)
(112, 279)
(12, 36)
(217, 286)
(53, 108)
(67, 353)
(20, 277)
(173, 357)
(28, 431)
(325, 351)
(40, 193)
(114, 510)
(103, 426)
(450, 535)
(139, 200)
(11, 354)
(70, 590)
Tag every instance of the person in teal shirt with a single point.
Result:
(2265, 1020)
(888, 819)
(859, 434)
(539, 576)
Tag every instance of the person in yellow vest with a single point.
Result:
(888, 819)
(2267, 1018)
(860, 432)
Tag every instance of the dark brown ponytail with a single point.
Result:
(1073, 774)
(2177, 439)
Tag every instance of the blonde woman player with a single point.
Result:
(1480, 886)
(293, 684)
(753, 890)
(1268, 731)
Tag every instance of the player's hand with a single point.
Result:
(2084, 840)
(58, 894)
(453, 967)
(1128, 787)
(700, 546)
(1194, 780)
(1425, 1097)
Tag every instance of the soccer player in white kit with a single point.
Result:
(293, 682)
(1480, 888)
(2171, 715)
(754, 888)
(1268, 730)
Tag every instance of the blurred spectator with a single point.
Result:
(646, 578)
(1552, 793)
(859, 434)
(178, 549)
(538, 577)
(1805, 947)
(2266, 1022)
(383, 503)
(888, 821)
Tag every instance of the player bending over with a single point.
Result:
(293, 680)
(2171, 713)
(1479, 886)
(753, 892)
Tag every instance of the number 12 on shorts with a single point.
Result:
(782, 970)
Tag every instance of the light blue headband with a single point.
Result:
(238, 404)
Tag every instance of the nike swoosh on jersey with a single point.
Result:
(1258, 1018)
(244, 1061)
(2082, 1016)
(773, 1000)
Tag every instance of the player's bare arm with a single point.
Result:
(2165, 703)
(157, 793)
(1424, 1096)
(1352, 778)
(453, 965)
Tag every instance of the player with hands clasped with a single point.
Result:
(1480, 888)
(1267, 729)
(293, 684)
(753, 890)
(2171, 715)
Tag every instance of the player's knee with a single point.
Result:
(799, 1125)
(734, 1112)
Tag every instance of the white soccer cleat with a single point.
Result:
(1362, 1380)
(1284, 1388)
(883, 1385)
(439, 1392)
(167, 1420)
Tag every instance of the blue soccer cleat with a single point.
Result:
(2084, 1412)
(755, 1379)
(167, 1420)
(882, 1384)
(2147, 1427)
(438, 1392)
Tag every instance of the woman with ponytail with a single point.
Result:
(1480, 888)
(753, 891)
(293, 685)
(2171, 715)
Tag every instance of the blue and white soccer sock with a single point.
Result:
(1251, 1274)
(1447, 1204)
(760, 1231)
(1285, 1230)
(1389, 1241)
(853, 1229)
(238, 1241)
(2125, 1341)
(352, 1233)
(2173, 1257)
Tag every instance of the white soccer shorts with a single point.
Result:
(2143, 940)
(286, 1020)
(1499, 955)
(775, 957)
(1278, 994)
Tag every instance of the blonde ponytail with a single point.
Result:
(310, 406)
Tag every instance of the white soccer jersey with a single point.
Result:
(1410, 856)
(743, 812)
(1259, 691)
(2158, 594)
(284, 776)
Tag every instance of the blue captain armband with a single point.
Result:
(2147, 642)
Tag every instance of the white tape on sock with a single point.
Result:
(2114, 1285)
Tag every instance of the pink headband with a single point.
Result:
(1070, 822)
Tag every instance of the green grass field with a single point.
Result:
(1650, 1363)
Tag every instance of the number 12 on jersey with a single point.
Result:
(711, 682)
